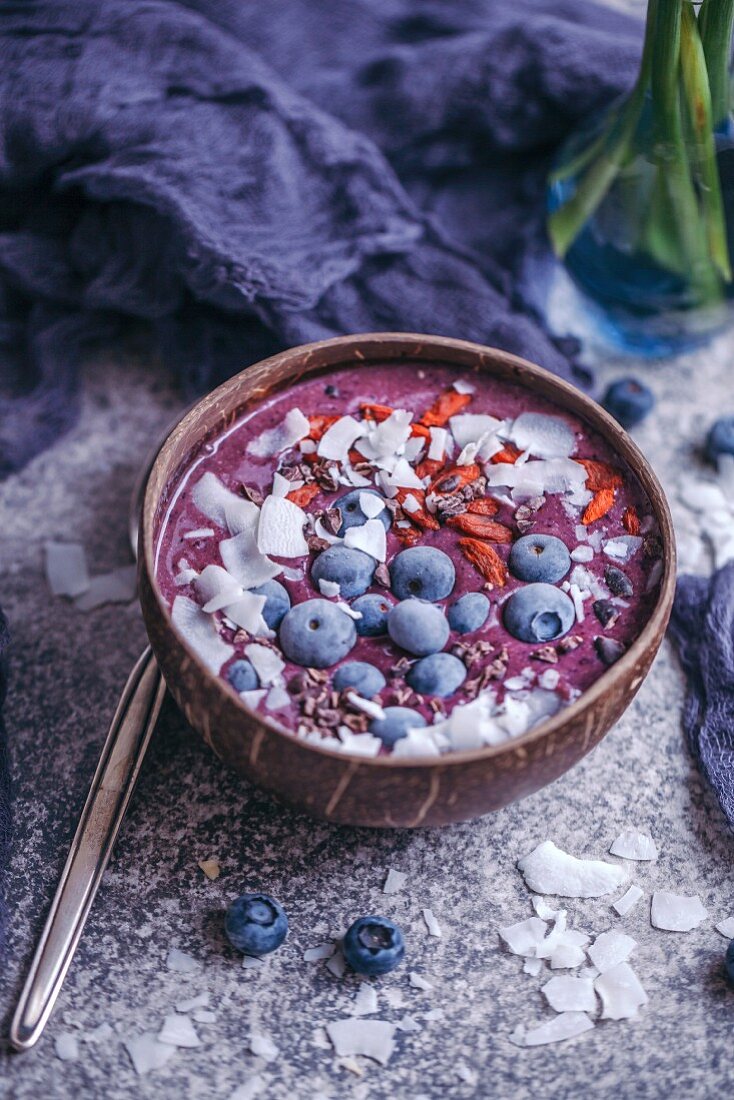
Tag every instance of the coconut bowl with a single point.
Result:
(385, 792)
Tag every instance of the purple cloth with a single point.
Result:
(245, 175)
(702, 627)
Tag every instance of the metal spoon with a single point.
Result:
(109, 796)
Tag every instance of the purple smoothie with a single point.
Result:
(506, 661)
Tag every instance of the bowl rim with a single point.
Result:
(600, 420)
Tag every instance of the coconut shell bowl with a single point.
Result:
(383, 791)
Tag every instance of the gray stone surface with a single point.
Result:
(67, 671)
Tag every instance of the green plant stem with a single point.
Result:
(565, 223)
(703, 150)
(715, 25)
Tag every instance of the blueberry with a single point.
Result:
(277, 602)
(538, 613)
(351, 569)
(256, 924)
(539, 558)
(618, 582)
(242, 676)
(316, 634)
(440, 674)
(374, 608)
(729, 962)
(373, 945)
(363, 677)
(469, 612)
(422, 571)
(629, 401)
(351, 511)
(720, 439)
(418, 627)
(395, 724)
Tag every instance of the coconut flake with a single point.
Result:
(246, 612)
(199, 533)
(537, 477)
(570, 994)
(387, 439)
(469, 428)
(582, 553)
(394, 882)
(542, 435)
(204, 1016)
(676, 912)
(417, 981)
(367, 705)
(620, 991)
(609, 949)
(146, 1053)
(549, 870)
(242, 558)
(178, 1031)
(370, 1038)
(434, 928)
(565, 1026)
(623, 547)
(337, 964)
(369, 537)
(726, 928)
(278, 698)
(262, 1046)
(402, 476)
(461, 385)
(250, 1089)
(253, 698)
(251, 962)
(631, 844)
(525, 937)
(318, 954)
(437, 446)
(201, 1000)
(629, 899)
(366, 1001)
(198, 629)
(357, 744)
(567, 956)
(280, 531)
(532, 966)
(372, 504)
(285, 435)
(67, 1047)
(329, 588)
(339, 438)
(66, 568)
(418, 741)
(216, 588)
(224, 507)
(180, 962)
(117, 586)
(267, 663)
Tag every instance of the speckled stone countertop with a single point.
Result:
(67, 671)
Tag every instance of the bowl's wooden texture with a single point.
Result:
(387, 792)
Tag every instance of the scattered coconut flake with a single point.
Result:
(629, 899)
(280, 531)
(538, 477)
(726, 928)
(339, 438)
(575, 593)
(285, 435)
(434, 928)
(67, 1047)
(282, 486)
(549, 870)
(201, 1000)
(252, 962)
(419, 982)
(370, 1038)
(181, 962)
(411, 505)
(210, 867)
(631, 844)
(198, 629)
(582, 553)
(278, 698)
(204, 1016)
(199, 533)
(543, 909)
(262, 1046)
(371, 504)
(369, 537)
(413, 448)
(349, 610)
(419, 741)
(366, 1001)
(542, 435)
(408, 1023)
(469, 428)
(565, 1026)
(675, 912)
(395, 881)
(437, 446)
(329, 588)
(146, 1053)
(567, 956)
(254, 697)
(570, 994)
(268, 664)
(403, 476)
(610, 948)
(99, 1034)
(461, 385)
(317, 954)
(66, 568)
(367, 705)
(349, 476)
(178, 1031)
(620, 991)
(250, 1089)
(337, 964)
(224, 507)
(525, 937)
(532, 966)
(623, 547)
(244, 561)
(549, 679)
(216, 588)
(356, 744)
(434, 1014)
(184, 577)
(246, 612)
(117, 586)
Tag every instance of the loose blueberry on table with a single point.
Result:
(438, 572)
(256, 924)
(373, 945)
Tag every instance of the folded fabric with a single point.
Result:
(702, 627)
(221, 171)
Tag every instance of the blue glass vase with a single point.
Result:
(641, 199)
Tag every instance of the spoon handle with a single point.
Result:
(107, 801)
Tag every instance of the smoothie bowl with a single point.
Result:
(402, 580)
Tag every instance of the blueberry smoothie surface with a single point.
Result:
(407, 560)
